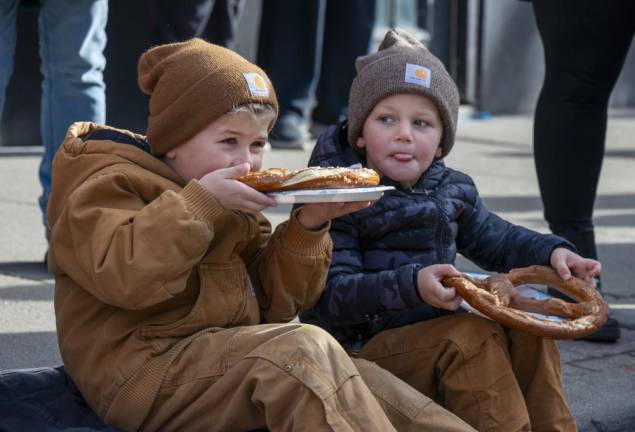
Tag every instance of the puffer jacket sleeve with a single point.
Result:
(288, 268)
(353, 296)
(129, 253)
(496, 244)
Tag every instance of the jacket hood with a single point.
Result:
(89, 148)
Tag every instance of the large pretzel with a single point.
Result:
(497, 298)
(281, 179)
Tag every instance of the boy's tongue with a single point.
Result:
(402, 157)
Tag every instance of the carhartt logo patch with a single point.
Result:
(257, 84)
(417, 74)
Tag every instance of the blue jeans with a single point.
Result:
(44, 400)
(323, 62)
(72, 39)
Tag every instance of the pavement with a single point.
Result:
(599, 378)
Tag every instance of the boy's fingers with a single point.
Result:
(445, 270)
(355, 206)
(455, 304)
(563, 271)
(348, 207)
(235, 171)
(250, 194)
(445, 294)
(448, 299)
(250, 200)
(257, 202)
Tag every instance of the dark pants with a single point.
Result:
(585, 43)
(213, 20)
(302, 58)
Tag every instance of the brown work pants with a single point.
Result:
(494, 378)
(286, 377)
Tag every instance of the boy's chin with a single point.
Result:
(405, 178)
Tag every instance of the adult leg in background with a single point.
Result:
(213, 20)
(223, 25)
(585, 43)
(8, 36)
(355, 19)
(290, 51)
(72, 35)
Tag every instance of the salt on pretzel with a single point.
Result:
(498, 298)
(281, 179)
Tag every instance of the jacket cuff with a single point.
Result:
(558, 242)
(198, 200)
(408, 286)
(304, 241)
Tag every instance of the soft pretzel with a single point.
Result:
(281, 179)
(265, 181)
(497, 298)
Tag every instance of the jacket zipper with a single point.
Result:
(442, 221)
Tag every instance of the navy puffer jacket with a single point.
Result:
(377, 251)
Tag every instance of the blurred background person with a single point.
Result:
(216, 21)
(308, 63)
(72, 39)
(585, 43)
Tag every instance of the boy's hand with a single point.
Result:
(431, 290)
(314, 215)
(566, 262)
(234, 195)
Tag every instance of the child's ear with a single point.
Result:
(360, 143)
(439, 151)
(171, 154)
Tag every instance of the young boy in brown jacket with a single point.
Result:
(171, 292)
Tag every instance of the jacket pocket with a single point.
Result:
(225, 299)
(225, 294)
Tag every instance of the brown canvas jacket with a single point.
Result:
(143, 263)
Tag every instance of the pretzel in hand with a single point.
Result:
(497, 298)
(281, 179)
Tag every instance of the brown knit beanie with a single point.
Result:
(402, 65)
(193, 83)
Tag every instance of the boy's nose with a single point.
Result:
(404, 133)
(242, 156)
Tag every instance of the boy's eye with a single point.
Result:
(258, 145)
(386, 119)
(420, 123)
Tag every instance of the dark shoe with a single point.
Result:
(609, 332)
(289, 132)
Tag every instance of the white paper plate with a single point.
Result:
(330, 195)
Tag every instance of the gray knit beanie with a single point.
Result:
(402, 65)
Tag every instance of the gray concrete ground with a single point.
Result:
(599, 378)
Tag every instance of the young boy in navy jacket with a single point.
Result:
(383, 299)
